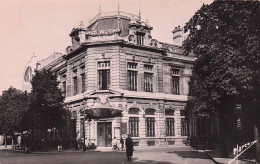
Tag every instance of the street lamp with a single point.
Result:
(84, 119)
(89, 123)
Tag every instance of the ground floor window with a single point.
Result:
(150, 127)
(184, 127)
(134, 126)
(170, 127)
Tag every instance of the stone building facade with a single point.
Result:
(118, 80)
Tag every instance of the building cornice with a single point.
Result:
(119, 42)
(132, 94)
(166, 55)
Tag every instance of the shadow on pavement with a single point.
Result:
(190, 154)
(149, 162)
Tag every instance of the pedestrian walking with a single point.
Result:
(19, 141)
(129, 148)
(79, 141)
(122, 144)
(59, 145)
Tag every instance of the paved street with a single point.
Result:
(149, 156)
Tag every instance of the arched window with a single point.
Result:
(28, 74)
(133, 111)
(133, 123)
(169, 112)
(150, 123)
(149, 111)
(169, 122)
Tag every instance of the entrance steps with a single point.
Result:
(103, 149)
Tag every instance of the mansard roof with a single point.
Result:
(111, 21)
(111, 24)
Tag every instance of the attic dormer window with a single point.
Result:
(140, 38)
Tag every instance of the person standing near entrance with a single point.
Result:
(129, 148)
(114, 144)
(122, 144)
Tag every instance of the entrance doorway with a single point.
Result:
(104, 134)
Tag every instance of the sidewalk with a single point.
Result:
(215, 156)
(101, 149)
(184, 152)
(2, 147)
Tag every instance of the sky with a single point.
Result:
(42, 27)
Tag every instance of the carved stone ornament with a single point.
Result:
(68, 49)
(154, 43)
(103, 32)
(131, 38)
(103, 99)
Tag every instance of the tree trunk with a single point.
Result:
(12, 142)
(225, 138)
(226, 115)
(5, 142)
(257, 157)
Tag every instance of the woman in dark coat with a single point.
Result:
(129, 147)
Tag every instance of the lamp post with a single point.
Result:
(89, 123)
(84, 119)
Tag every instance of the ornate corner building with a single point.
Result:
(118, 80)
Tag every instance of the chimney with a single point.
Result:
(177, 36)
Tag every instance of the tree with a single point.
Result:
(224, 36)
(46, 109)
(13, 106)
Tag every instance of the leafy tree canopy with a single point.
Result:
(13, 106)
(46, 102)
(224, 36)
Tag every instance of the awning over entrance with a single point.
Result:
(104, 112)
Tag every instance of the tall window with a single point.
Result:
(132, 76)
(132, 80)
(150, 127)
(83, 82)
(28, 74)
(134, 126)
(104, 75)
(170, 127)
(75, 84)
(140, 38)
(64, 88)
(104, 79)
(175, 81)
(148, 82)
(184, 127)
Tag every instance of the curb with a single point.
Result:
(206, 152)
